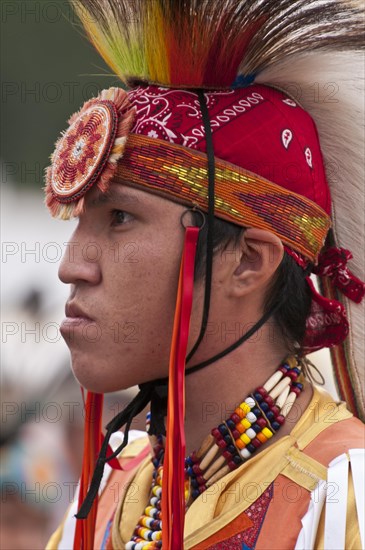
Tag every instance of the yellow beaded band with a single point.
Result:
(241, 197)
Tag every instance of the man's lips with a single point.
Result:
(76, 320)
(74, 311)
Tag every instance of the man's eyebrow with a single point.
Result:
(114, 195)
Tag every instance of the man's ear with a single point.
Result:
(261, 255)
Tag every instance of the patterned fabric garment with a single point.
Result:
(246, 540)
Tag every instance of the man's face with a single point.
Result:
(122, 263)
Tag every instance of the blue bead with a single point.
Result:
(256, 428)
(258, 397)
(231, 449)
(265, 407)
(223, 429)
(231, 425)
(256, 411)
(196, 493)
(194, 482)
(270, 415)
(251, 448)
(227, 438)
(295, 369)
(299, 385)
(275, 426)
(237, 459)
(189, 461)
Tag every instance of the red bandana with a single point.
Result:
(257, 128)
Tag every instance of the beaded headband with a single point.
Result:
(241, 197)
(96, 148)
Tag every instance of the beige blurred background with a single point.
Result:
(47, 71)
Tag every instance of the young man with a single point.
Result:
(203, 208)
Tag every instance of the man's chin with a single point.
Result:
(94, 377)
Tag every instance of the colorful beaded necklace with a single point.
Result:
(229, 445)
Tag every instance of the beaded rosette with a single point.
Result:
(88, 152)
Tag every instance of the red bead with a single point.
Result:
(216, 433)
(295, 390)
(202, 488)
(200, 480)
(232, 465)
(280, 419)
(275, 410)
(235, 418)
(227, 455)
(193, 457)
(261, 391)
(269, 400)
(222, 444)
(283, 370)
(196, 469)
(256, 442)
(261, 422)
(292, 375)
(235, 434)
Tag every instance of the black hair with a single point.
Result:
(288, 283)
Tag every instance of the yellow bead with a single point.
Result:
(245, 439)
(156, 490)
(267, 433)
(245, 423)
(245, 408)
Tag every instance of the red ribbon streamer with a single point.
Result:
(85, 528)
(173, 483)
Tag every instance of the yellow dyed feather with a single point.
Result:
(206, 43)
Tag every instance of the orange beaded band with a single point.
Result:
(241, 197)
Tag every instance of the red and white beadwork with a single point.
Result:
(83, 150)
(88, 152)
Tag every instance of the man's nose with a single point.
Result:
(81, 261)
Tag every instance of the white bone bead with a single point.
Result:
(289, 403)
(209, 457)
(207, 443)
(222, 472)
(214, 467)
(273, 380)
(279, 388)
(282, 397)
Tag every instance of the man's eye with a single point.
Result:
(120, 217)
